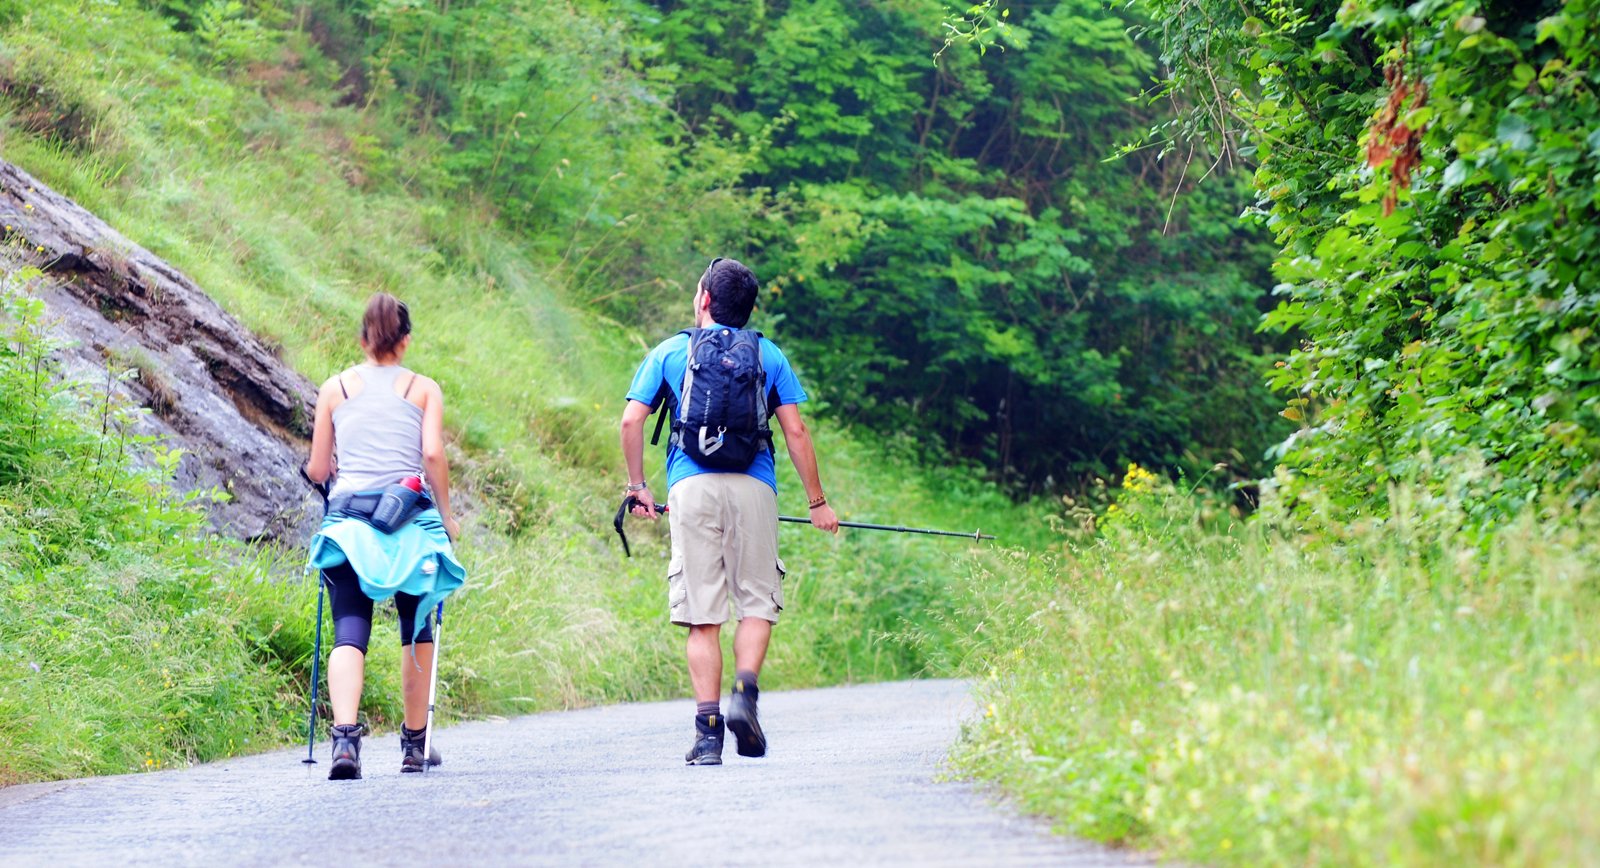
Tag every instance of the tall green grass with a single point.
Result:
(129, 638)
(1237, 694)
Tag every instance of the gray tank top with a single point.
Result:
(377, 434)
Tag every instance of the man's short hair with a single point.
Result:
(732, 288)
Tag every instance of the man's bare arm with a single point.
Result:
(804, 455)
(633, 417)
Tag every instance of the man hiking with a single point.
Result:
(721, 384)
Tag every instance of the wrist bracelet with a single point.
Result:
(819, 502)
(638, 486)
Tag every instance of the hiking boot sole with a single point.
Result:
(411, 766)
(747, 737)
(344, 770)
(705, 761)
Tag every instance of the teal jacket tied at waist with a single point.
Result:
(417, 559)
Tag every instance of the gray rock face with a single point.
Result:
(241, 415)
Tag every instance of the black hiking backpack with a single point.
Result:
(721, 419)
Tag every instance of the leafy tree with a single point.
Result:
(952, 251)
(1429, 171)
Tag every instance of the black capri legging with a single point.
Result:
(352, 611)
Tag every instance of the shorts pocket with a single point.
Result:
(677, 588)
(777, 590)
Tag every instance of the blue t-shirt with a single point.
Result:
(667, 363)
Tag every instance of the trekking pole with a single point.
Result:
(893, 528)
(628, 503)
(433, 687)
(316, 661)
(316, 654)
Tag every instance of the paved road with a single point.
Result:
(850, 779)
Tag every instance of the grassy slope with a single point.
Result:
(267, 195)
(1246, 697)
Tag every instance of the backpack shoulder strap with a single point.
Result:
(766, 397)
(696, 336)
(664, 404)
(769, 393)
(756, 338)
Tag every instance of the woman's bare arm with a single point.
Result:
(320, 465)
(434, 465)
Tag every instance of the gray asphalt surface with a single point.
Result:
(850, 778)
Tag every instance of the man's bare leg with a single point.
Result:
(705, 674)
(749, 652)
(750, 644)
(705, 661)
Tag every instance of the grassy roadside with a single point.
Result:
(271, 196)
(1238, 695)
(129, 637)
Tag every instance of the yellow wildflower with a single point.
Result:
(1138, 479)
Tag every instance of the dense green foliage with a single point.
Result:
(1394, 662)
(1012, 295)
(130, 638)
(1253, 696)
(1431, 172)
(952, 247)
(549, 114)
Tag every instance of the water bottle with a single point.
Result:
(394, 507)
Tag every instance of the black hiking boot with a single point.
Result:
(346, 752)
(412, 742)
(742, 719)
(707, 750)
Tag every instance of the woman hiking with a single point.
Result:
(378, 428)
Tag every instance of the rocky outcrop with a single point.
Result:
(241, 415)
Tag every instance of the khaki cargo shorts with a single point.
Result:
(724, 546)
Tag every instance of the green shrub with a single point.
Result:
(1428, 171)
(1235, 694)
(131, 637)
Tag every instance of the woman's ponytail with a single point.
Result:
(385, 324)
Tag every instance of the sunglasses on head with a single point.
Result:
(701, 284)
